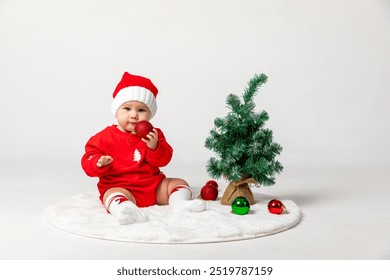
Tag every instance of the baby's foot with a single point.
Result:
(128, 213)
(124, 216)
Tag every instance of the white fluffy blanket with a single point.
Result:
(83, 214)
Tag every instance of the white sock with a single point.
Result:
(180, 200)
(125, 211)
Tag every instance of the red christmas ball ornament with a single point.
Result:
(212, 183)
(275, 206)
(209, 191)
(142, 128)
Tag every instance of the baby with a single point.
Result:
(127, 166)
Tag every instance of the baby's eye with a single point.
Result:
(126, 108)
(142, 110)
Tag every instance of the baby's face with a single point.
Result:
(131, 112)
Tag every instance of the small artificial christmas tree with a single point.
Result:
(245, 149)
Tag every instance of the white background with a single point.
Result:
(327, 95)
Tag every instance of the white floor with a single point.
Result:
(346, 215)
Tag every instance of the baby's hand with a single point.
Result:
(152, 139)
(103, 161)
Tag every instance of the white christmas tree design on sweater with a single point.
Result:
(136, 156)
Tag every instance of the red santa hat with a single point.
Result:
(135, 88)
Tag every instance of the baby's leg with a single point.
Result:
(177, 194)
(121, 204)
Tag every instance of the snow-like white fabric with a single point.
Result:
(83, 214)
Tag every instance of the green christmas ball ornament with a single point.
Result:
(240, 206)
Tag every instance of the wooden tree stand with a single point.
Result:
(236, 189)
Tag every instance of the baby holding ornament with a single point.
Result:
(128, 166)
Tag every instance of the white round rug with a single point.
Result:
(83, 214)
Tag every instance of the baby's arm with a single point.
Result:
(162, 154)
(95, 161)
